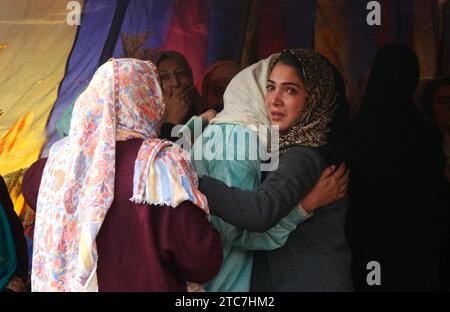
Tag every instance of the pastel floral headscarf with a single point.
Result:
(123, 101)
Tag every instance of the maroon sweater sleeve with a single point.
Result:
(31, 182)
(192, 242)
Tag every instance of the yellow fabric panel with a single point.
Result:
(332, 35)
(35, 42)
(332, 38)
(14, 182)
(425, 40)
(249, 46)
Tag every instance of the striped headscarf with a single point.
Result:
(312, 126)
(123, 101)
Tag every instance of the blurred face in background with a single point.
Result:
(173, 76)
(441, 108)
(217, 82)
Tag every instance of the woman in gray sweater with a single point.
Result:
(301, 98)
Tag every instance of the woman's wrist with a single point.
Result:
(308, 204)
(303, 212)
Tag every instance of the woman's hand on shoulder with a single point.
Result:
(209, 114)
(332, 186)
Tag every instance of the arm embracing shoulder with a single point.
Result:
(259, 210)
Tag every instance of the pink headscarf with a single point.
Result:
(203, 84)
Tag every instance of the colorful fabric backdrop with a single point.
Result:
(45, 63)
(35, 43)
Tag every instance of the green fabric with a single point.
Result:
(194, 126)
(242, 172)
(8, 260)
(62, 125)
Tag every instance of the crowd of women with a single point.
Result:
(120, 206)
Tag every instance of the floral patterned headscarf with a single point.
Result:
(123, 101)
(318, 78)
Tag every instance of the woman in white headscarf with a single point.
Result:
(218, 154)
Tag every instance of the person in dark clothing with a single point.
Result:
(19, 279)
(301, 99)
(398, 212)
(435, 102)
(116, 208)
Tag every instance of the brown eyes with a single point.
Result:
(289, 90)
(270, 87)
(165, 77)
(292, 91)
